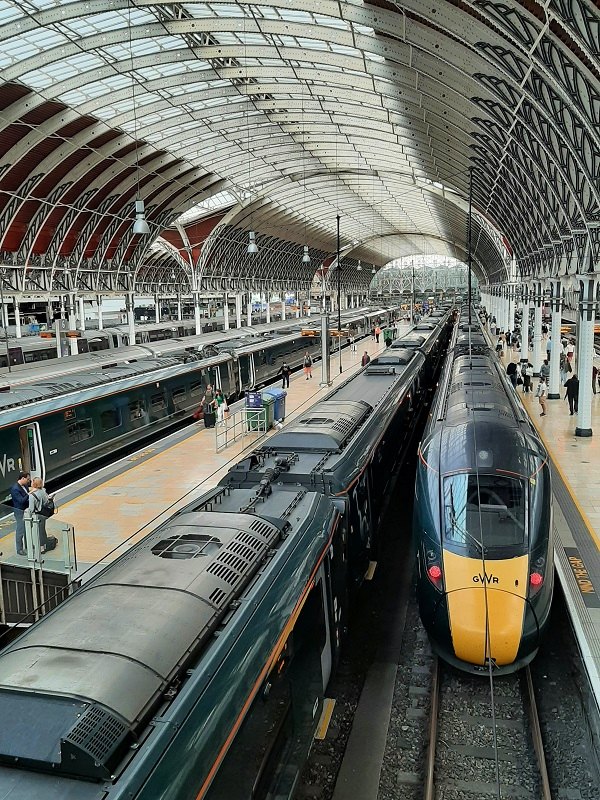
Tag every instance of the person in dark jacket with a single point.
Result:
(19, 493)
(572, 395)
(511, 371)
(366, 359)
(285, 375)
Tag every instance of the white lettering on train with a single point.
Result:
(7, 465)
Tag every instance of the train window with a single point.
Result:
(157, 403)
(484, 510)
(137, 409)
(196, 389)
(179, 398)
(80, 430)
(110, 418)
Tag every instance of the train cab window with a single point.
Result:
(115, 339)
(137, 409)
(80, 430)
(485, 510)
(110, 418)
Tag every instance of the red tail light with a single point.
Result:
(536, 581)
(434, 573)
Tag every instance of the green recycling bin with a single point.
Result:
(279, 396)
(268, 402)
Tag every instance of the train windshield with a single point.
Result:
(484, 511)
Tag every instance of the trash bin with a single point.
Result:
(253, 401)
(268, 402)
(279, 395)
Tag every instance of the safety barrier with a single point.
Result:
(246, 422)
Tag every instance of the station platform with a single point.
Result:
(575, 465)
(119, 504)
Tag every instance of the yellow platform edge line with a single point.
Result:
(323, 726)
(559, 469)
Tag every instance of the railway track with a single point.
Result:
(484, 742)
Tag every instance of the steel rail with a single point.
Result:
(433, 727)
(536, 735)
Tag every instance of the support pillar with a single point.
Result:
(298, 304)
(238, 310)
(197, 313)
(226, 311)
(72, 322)
(18, 333)
(100, 317)
(249, 310)
(585, 354)
(556, 306)
(130, 317)
(283, 306)
(156, 308)
(268, 305)
(179, 309)
(81, 313)
(538, 356)
(512, 307)
(525, 326)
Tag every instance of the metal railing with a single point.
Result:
(32, 581)
(246, 422)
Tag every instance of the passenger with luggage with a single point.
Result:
(19, 493)
(208, 407)
(307, 365)
(41, 506)
(366, 359)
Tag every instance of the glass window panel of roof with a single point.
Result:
(91, 91)
(145, 46)
(10, 11)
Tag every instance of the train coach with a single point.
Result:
(194, 667)
(482, 517)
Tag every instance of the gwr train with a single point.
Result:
(60, 424)
(482, 517)
(32, 349)
(194, 666)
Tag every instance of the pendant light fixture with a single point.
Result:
(140, 225)
(306, 255)
(359, 266)
(252, 246)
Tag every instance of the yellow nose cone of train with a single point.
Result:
(486, 607)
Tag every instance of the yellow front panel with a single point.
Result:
(500, 592)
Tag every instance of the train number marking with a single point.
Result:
(7, 465)
(485, 578)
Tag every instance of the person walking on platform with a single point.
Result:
(594, 377)
(352, 338)
(548, 348)
(307, 365)
(221, 407)
(570, 350)
(508, 338)
(572, 393)
(511, 371)
(38, 500)
(208, 407)
(19, 493)
(377, 333)
(285, 375)
(527, 372)
(541, 393)
(366, 359)
(545, 370)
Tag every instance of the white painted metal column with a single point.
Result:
(525, 325)
(226, 311)
(197, 313)
(249, 310)
(179, 308)
(238, 310)
(538, 355)
(156, 308)
(100, 317)
(72, 322)
(81, 313)
(18, 333)
(585, 354)
(298, 304)
(283, 305)
(554, 387)
(130, 317)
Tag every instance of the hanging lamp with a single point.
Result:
(252, 246)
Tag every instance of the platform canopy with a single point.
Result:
(276, 117)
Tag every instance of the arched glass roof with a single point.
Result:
(278, 117)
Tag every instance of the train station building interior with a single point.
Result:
(228, 186)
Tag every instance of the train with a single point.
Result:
(29, 350)
(59, 424)
(482, 517)
(194, 666)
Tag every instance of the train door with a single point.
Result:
(32, 453)
(326, 657)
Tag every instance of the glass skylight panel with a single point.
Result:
(91, 91)
(208, 207)
(99, 23)
(226, 10)
(9, 11)
(142, 47)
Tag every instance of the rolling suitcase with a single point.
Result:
(210, 419)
